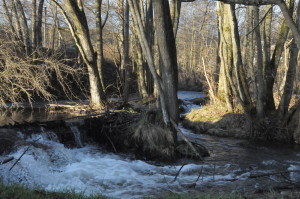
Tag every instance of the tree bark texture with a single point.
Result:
(260, 102)
(78, 25)
(225, 53)
(167, 49)
(137, 21)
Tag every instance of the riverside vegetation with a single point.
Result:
(104, 56)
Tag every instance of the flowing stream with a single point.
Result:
(89, 169)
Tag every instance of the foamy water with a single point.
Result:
(88, 170)
(52, 166)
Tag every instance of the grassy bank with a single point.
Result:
(20, 192)
(215, 120)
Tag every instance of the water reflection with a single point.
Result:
(11, 116)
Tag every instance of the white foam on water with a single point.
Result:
(294, 176)
(51, 166)
(269, 162)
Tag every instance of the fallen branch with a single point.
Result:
(19, 158)
(178, 172)
(186, 140)
(22, 155)
(6, 160)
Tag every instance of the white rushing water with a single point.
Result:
(51, 166)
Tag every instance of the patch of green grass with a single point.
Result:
(201, 196)
(20, 192)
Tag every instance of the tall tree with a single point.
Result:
(76, 19)
(99, 27)
(167, 50)
(33, 23)
(39, 37)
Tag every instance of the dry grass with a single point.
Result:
(154, 139)
(209, 113)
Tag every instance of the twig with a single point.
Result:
(199, 175)
(178, 172)
(22, 155)
(112, 144)
(211, 91)
(263, 18)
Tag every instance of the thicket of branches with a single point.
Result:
(26, 78)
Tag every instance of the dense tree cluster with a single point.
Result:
(247, 54)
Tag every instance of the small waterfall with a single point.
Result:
(77, 136)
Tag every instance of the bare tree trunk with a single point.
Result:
(45, 27)
(24, 26)
(149, 27)
(260, 107)
(125, 61)
(225, 53)
(249, 51)
(267, 26)
(141, 72)
(167, 49)
(54, 28)
(243, 90)
(9, 19)
(284, 9)
(175, 7)
(137, 21)
(39, 37)
(99, 41)
(271, 67)
(17, 21)
(78, 25)
(33, 24)
(291, 74)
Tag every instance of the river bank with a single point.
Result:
(20, 192)
(51, 165)
(215, 120)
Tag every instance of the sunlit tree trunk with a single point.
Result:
(76, 19)
(167, 50)
(225, 52)
(291, 73)
(140, 31)
(272, 66)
